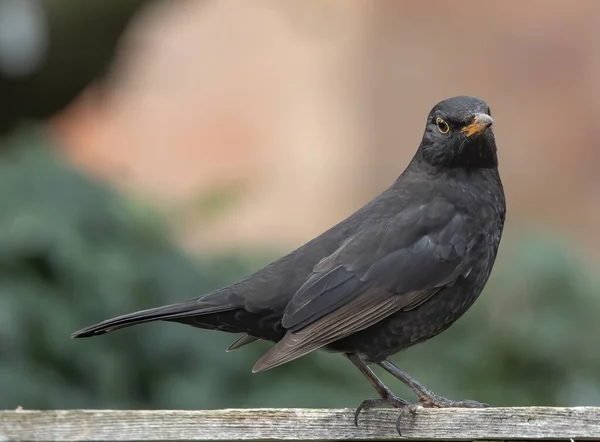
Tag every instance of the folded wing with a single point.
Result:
(397, 263)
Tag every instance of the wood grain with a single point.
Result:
(540, 423)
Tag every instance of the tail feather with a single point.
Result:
(165, 313)
(243, 340)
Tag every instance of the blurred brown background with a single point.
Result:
(306, 109)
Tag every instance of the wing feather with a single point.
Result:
(396, 264)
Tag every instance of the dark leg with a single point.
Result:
(427, 398)
(388, 399)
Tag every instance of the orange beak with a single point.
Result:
(480, 124)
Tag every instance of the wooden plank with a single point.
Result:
(539, 423)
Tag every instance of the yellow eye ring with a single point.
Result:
(442, 125)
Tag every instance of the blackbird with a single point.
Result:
(397, 272)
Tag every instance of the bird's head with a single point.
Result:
(459, 134)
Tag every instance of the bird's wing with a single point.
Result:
(392, 265)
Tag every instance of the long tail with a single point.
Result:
(212, 303)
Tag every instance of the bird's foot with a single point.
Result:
(390, 401)
(435, 401)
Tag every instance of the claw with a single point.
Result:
(409, 410)
(392, 401)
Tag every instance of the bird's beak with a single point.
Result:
(479, 125)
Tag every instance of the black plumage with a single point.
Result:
(397, 272)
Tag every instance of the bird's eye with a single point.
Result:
(442, 125)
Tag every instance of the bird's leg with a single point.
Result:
(388, 399)
(427, 398)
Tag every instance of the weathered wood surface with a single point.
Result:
(540, 423)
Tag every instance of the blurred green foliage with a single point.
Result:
(73, 252)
